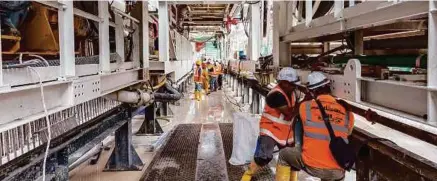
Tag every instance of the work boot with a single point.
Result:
(253, 168)
(284, 173)
(197, 95)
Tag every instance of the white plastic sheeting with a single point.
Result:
(245, 134)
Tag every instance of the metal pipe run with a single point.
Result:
(133, 97)
(174, 94)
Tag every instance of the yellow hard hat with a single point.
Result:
(198, 62)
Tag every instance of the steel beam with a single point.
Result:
(66, 40)
(119, 36)
(309, 12)
(255, 32)
(164, 29)
(363, 15)
(432, 63)
(145, 33)
(276, 33)
(104, 60)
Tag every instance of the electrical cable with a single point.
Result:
(46, 115)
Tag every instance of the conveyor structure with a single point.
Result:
(75, 73)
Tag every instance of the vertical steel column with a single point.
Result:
(145, 33)
(358, 42)
(136, 46)
(124, 157)
(150, 125)
(255, 102)
(1, 60)
(104, 53)
(66, 40)
(308, 12)
(432, 63)
(119, 36)
(338, 8)
(255, 32)
(351, 3)
(233, 83)
(164, 29)
(276, 33)
(246, 94)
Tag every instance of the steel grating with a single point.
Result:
(234, 172)
(177, 159)
(211, 162)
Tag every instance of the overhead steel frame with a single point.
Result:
(371, 93)
(70, 89)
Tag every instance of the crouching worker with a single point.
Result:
(315, 157)
(276, 121)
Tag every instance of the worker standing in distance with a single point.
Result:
(205, 78)
(212, 76)
(315, 157)
(197, 71)
(276, 121)
(220, 75)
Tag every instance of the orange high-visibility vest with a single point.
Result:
(276, 125)
(315, 150)
(219, 69)
(197, 74)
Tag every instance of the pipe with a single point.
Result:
(174, 95)
(133, 97)
(388, 60)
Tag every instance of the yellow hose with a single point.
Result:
(159, 85)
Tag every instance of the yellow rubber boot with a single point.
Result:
(253, 168)
(283, 173)
(293, 175)
(197, 95)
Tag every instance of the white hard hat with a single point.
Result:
(288, 74)
(317, 79)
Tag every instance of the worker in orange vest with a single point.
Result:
(315, 156)
(205, 78)
(276, 125)
(197, 71)
(212, 75)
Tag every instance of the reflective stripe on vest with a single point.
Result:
(313, 124)
(271, 135)
(279, 120)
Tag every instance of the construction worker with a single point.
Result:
(205, 76)
(197, 71)
(276, 121)
(213, 76)
(220, 75)
(315, 156)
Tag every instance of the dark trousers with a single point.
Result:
(220, 81)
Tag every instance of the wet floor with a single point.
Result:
(211, 143)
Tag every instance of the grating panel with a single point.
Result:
(177, 159)
(234, 172)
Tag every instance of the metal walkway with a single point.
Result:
(198, 152)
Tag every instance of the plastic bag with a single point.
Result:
(245, 135)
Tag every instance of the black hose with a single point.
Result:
(173, 95)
